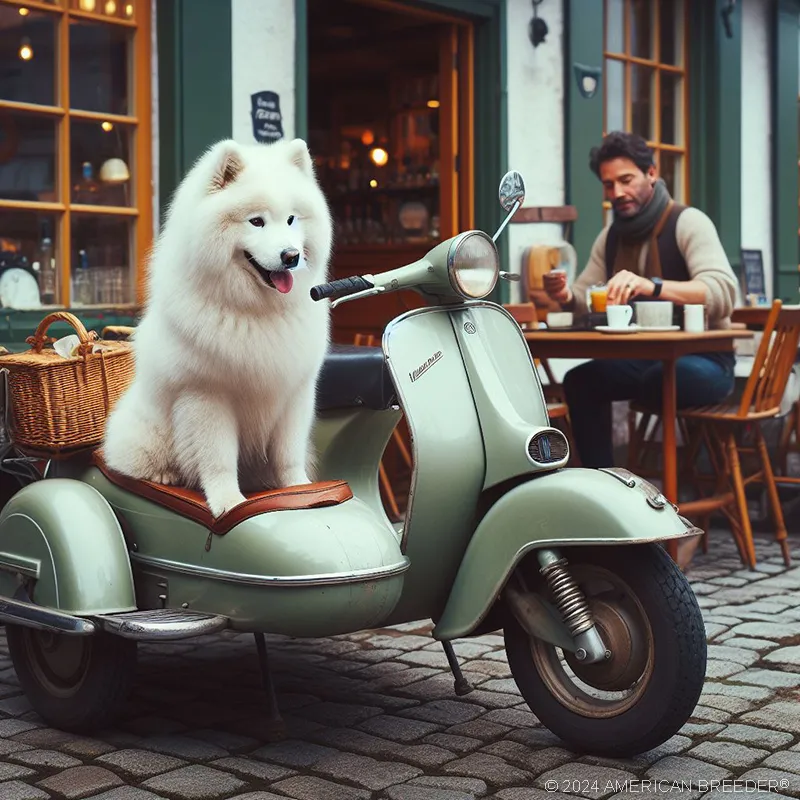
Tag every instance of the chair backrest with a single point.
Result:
(525, 314)
(773, 361)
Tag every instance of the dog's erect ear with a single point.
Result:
(300, 157)
(228, 164)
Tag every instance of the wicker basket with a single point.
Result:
(59, 405)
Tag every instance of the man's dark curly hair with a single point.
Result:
(620, 144)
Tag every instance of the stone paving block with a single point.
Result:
(767, 677)
(783, 716)
(535, 737)
(251, 768)
(495, 669)
(426, 755)
(293, 753)
(13, 727)
(11, 771)
(195, 782)
(17, 790)
(533, 761)
(79, 782)
(756, 737)
(494, 700)
(304, 787)
(44, 758)
(728, 754)
(743, 690)
(52, 739)
(584, 780)
(513, 717)
(788, 762)
(682, 768)
(140, 763)
(398, 729)
(471, 786)
(341, 714)
(403, 678)
(373, 656)
(426, 658)
(764, 630)
(455, 744)
(787, 783)
(436, 687)
(738, 655)
(784, 656)
(9, 746)
(183, 747)
(708, 714)
(407, 792)
(366, 772)
(445, 712)
(480, 729)
(404, 643)
(490, 768)
(127, 793)
(258, 796)
(722, 669)
(729, 703)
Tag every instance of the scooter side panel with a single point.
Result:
(64, 536)
(570, 507)
(449, 464)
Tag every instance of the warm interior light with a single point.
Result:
(373, 183)
(23, 12)
(107, 126)
(367, 138)
(129, 10)
(379, 156)
(86, 5)
(25, 50)
(111, 7)
(433, 104)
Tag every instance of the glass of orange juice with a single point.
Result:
(598, 296)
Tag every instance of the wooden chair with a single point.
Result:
(717, 426)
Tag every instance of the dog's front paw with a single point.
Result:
(220, 504)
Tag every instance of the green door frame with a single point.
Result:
(491, 99)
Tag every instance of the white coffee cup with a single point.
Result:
(694, 318)
(654, 314)
(619, 316)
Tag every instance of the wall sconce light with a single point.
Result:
(537, 28)
(587, 78)
(726, 17)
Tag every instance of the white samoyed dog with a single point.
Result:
(229, 347)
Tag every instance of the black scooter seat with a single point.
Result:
(355, 377)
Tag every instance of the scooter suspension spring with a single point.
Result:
(569, 599)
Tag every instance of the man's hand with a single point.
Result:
(625, 285)
(555, 284)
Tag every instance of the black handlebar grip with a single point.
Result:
(340, 288)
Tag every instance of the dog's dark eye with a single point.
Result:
(258, 222)
(290, 220)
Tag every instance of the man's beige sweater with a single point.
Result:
(705, 258)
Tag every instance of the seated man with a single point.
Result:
(654, 249)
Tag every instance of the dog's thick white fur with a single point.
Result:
(227, 359)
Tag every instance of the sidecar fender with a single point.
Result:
(64, 536)
(568, 507)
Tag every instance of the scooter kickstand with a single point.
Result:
(276, 727)
(462, 685)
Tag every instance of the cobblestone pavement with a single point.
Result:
(373, 716)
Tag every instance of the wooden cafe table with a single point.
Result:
(666, 347)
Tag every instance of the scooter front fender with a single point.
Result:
(62, 535)
(568, 507)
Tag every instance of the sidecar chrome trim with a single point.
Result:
(281, 581)
(161, 624)
(29, 615)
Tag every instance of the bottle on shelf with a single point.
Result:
(48, 275)
(82, 289)
(86, 190)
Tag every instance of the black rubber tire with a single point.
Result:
(679, 658)
(98, 694)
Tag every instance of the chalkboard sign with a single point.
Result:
(753, 282)
(266, 114)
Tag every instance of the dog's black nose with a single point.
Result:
(290, 257)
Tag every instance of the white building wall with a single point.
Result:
(535, 120)
(757, 133)
(263, 43)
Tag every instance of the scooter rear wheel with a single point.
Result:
(75, 683)
(649, 618)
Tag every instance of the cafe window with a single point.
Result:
(75, 166)
(646, 89)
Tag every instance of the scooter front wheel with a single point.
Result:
(75, 683)
(649, 619)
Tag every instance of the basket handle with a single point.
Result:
(39, 338)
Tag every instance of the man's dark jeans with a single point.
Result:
(590, 389)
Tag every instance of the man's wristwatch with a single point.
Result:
(658, 284)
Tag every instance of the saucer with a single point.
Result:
(609, 329)
(660, 328)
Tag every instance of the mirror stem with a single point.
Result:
(506, 220)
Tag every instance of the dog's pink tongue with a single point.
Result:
(282, 281)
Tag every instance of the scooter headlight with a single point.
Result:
(473, 264)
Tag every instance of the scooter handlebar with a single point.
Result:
(340, 288)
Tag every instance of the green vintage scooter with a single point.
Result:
(603, 634)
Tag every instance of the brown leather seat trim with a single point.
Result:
(191, 504)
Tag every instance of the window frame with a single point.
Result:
(628, 60)
(140, 213)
